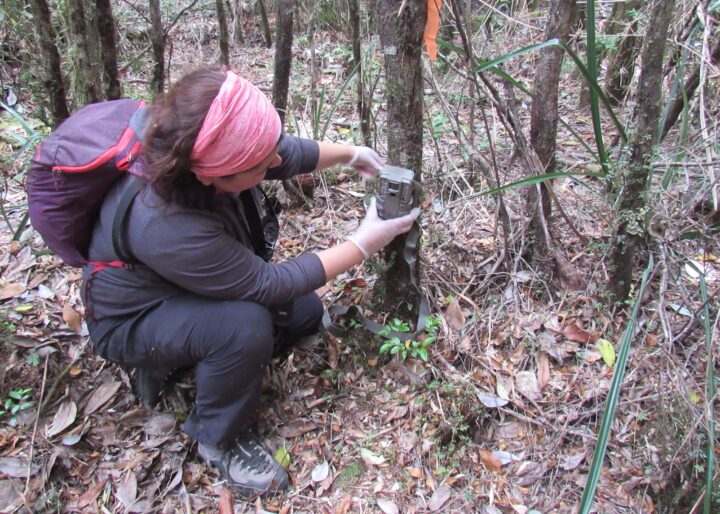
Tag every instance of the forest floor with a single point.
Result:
(503, 417)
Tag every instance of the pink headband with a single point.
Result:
(240, 130)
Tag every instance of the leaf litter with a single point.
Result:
(503, 418)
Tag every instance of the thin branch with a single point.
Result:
(166, 33)
(35, 426)
(60, 376)
(137, 10)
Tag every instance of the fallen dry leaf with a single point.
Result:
(89, 496)
(64, 417)
(101, 395)
(333, 350)
(160, 424)
(572, 461)
(591, 356)
(607, 350)
(15, 467)
(72, 318)
(491, 402)
(11, 291)
(126, 490)
(543, 369)
(439, 498)
(297, 428)
(527, 385)
(506, 457)
(530, 472)
(344, 505)
(353, 285)
(387, 506)
(370, 458)
(491, 461)
(320, 472)
(501, 390)
(577, 334)
(225, 502)
(37, 280)
(10, 497)
(454, 315)
(415, 472)
(398, 412)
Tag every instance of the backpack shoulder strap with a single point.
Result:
(263, 231)
(119, 241)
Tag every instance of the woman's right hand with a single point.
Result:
(374, 233)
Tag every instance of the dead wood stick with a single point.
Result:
(62, 374)
(37, 419)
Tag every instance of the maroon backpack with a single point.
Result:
(76, 166)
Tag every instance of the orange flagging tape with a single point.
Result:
(431, 27)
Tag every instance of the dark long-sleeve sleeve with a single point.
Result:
(298, 156)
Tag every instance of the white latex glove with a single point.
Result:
(374, 233)
(366, 161)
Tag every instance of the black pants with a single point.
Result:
(228, 342)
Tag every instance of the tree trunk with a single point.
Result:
(283, 54)
(401, 34)
(314, 78)
(157, 37)
(686, 93)
(53, 81)
(265, 23)
(621, 67)
(363, 106)
(543, 126)
(238, 22)
(85, 86)
(223, 33)
(302, 186)
(106, 29)
(94, 45)
(632, 203)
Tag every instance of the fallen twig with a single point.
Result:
(60, 376)
(35, 427)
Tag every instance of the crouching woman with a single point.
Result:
(202, 296)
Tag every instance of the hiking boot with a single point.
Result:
(248, 467)
(148, 384)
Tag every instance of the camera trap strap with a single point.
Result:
(339, 330)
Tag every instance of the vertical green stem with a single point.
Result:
(593, 75)
(613, 395)
(709, 397)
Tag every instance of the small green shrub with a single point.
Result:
(18, 400)
(410, 347)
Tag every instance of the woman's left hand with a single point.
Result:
(366, 161)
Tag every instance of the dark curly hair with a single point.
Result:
(175, 121)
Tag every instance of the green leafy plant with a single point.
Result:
(26, 144)
(18, 400)
(394, 345)
(439, 122)
(7, 329)
(318, 127)
(33, 358)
